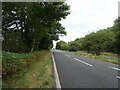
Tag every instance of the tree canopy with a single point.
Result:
(104, 40)
(116, 29)
(61, 45)
(32, 26)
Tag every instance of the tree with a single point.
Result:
(74, 46)
(99, 42)
(116, 29)
(60, 44)
(33, 25)
(64, 46)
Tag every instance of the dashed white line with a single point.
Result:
(68, 55)
(118, 77)
(114, 68)
(83, 62)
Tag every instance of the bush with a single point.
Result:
(13, 62)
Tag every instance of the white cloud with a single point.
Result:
(89, 15)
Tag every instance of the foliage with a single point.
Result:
(59, 44)
(13, 62)
(74, 46)
(116, 29)
(64, 46)
(105, 56)
(104, 40)
(21, 70)
(32, 26)
(99, 42)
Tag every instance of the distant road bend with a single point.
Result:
(80, 72)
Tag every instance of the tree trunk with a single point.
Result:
(33, 46)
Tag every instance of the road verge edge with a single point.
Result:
(57, 81)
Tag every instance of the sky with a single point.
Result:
(87, 16)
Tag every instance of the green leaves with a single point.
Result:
(99, 41)
(95, 42)
(35, 25)
(74, 46)
(60, 44)
(116, 29)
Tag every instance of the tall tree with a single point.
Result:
(33, 25)
(98, 42)
(60, 44)
(116, 29)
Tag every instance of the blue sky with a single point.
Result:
(88, 16)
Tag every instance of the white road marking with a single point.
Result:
(59, 50)
(68, 55)
(56, 74)
(83, 62)
(118, 77)
(114, 68)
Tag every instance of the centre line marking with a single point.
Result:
(68, 55)
(114, 68)
(118, 77)
(83, 62)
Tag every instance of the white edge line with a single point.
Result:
(118, 77)
(83, 62)
(114, 68)
(56, 74)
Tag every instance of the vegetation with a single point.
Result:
(28, 30)
(21, 70)
(95, 43)
(101, 41)
(104, 40)
(62, 45)
(105, 56)
(74, 46)
(29, 26)
(116, 29)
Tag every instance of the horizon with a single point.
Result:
(81, 21)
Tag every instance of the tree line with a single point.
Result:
(31, 26)
(104, 40)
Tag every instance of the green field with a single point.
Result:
(27, 70)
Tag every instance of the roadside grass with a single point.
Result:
(105, 56)
(27, 70)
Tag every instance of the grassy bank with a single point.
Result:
(108, 57)
(31, 70)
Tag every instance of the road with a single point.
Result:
(80, 72)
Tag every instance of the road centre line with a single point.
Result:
(83, 62)
(68, 55)
(114, 68)
(118, 77)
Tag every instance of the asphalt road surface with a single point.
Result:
(80, 72)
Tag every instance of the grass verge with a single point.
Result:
(105, 56)
(31, 70)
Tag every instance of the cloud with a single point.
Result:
(87, 16)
